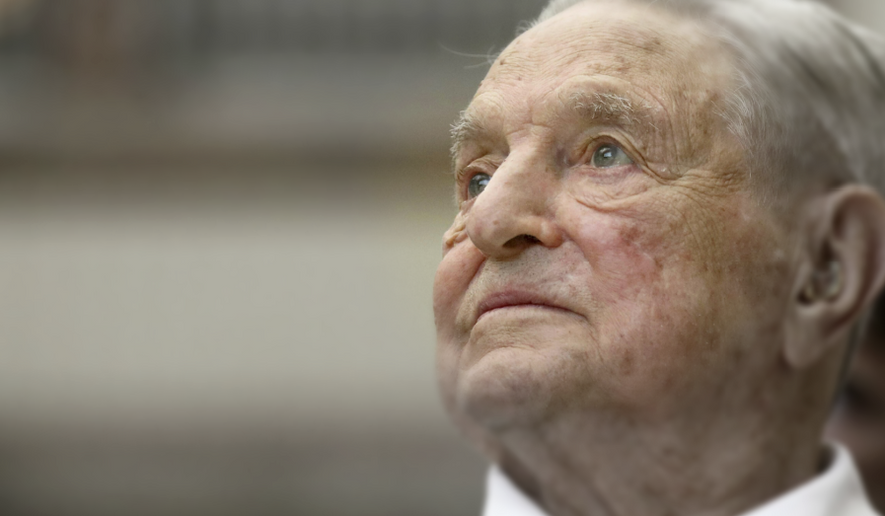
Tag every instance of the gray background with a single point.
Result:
(219, 224)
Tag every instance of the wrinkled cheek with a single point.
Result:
(648, 305)
(660, 349)
(453, 277)
(622, 258)
(455, 234)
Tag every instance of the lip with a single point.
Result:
(516, 298)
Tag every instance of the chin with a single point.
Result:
(507, 388)
(515, 370)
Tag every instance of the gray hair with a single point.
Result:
(810, 88)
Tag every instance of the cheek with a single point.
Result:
(629, 285)
(622, 255)
(453, 276)
(660, 316)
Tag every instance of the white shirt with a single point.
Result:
(838, 491)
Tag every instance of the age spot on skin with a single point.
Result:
(626, 363)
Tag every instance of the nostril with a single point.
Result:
(522, 240)
(530, 239)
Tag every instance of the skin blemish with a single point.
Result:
(626, 364)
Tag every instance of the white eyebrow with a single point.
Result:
(464, 128)
(599, 105)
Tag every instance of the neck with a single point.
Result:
(718, 468)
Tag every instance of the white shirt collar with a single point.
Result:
(503, 498)
(836, 492)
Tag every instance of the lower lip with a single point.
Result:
(504, 309)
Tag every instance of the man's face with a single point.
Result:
(609, 252)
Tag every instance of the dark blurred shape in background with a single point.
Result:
(100, 79)
(219, 224)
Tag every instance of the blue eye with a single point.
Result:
(608, 155)
(477, 184)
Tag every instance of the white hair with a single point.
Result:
(809, 98)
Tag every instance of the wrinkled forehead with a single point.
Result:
(653, 52)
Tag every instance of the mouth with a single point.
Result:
(516, 299)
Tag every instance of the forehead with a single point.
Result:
(624, 48)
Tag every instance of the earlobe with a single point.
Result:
(842, 272)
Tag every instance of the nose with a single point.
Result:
(516, 209)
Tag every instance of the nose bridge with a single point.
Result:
(514, 210)
(517, 184)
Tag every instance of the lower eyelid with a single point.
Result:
(606, 176)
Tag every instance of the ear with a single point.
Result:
(840, 273)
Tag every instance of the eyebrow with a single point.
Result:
(604, 106)
(465, 128)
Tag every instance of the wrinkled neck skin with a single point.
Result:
(721, 464)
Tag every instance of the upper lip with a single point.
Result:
(514, 297)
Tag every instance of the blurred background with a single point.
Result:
(219, 224)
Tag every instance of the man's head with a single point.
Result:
(650, 236)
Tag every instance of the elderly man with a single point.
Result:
(664, 247)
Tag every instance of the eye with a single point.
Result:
(477, 184)
(608, 155)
